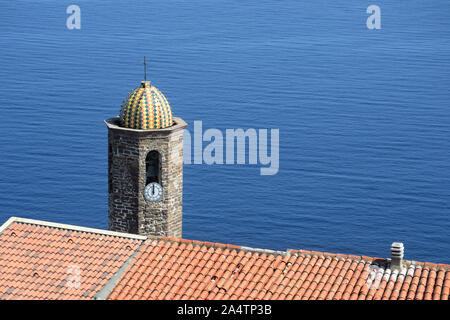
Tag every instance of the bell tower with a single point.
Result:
(145, 165)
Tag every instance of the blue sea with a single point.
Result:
(363, 115)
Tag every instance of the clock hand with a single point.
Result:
(153, 189)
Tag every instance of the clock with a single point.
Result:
(153, 192)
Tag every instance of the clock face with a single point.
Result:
(153, 192)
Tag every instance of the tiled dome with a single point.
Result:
(146, 108)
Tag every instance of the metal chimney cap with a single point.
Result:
(397, 244)
(397, 249)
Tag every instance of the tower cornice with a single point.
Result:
(114, 124)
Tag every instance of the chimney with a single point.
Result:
(397, 250)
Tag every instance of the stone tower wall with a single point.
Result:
(129, 211)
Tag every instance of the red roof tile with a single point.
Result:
(295, 274)
(37, 260)
(43, 262)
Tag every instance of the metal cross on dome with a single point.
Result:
(145, 69)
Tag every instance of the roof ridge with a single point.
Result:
(70, 227)
(337, 255)
(429, 264)
(109, 286)
(195, 242)
(368, 258)
(218, 245)
(288, 251)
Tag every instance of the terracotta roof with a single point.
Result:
(183, 269)
(40, 260)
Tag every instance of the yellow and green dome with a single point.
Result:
(146, 108)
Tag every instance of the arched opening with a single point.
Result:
(153, 167)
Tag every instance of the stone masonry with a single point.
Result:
(129, 211)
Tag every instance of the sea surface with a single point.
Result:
(364, 115)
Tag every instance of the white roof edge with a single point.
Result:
(8, 222)
(70, 227)
(266, 251)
